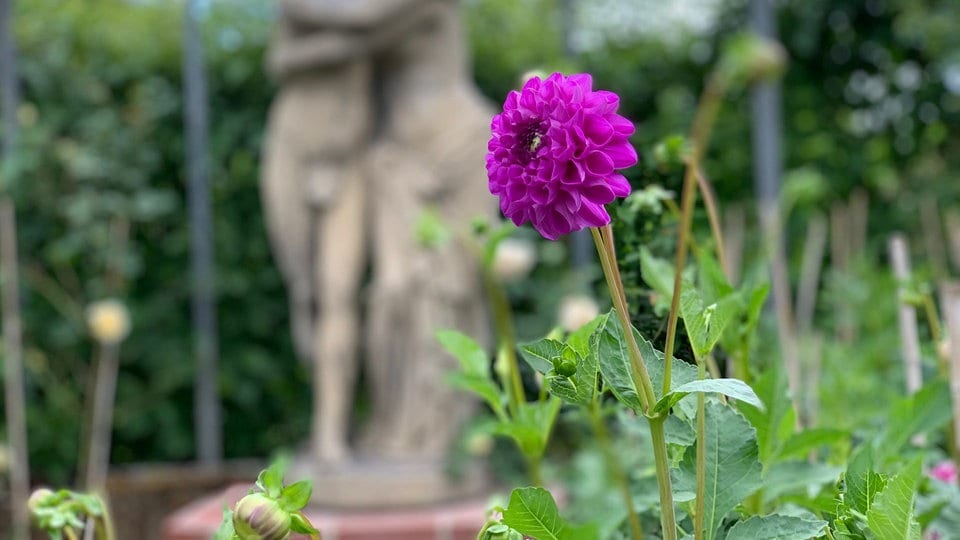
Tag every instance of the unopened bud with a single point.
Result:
(499, 531)
(39, 498)
(258, 517)
(576, 311)
(754, 58)
(480, 444)
(943, 349)
(109, 321)
(514, 259)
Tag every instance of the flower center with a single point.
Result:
(532, 141)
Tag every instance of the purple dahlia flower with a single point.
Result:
(554, 154)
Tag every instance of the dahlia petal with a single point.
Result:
(623, 155)
(619, 184)
(594, 215)
(597, 129)
(599, 164)
(598, 193)
(621, 125)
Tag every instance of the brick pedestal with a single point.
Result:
(459, 520)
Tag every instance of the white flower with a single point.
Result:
(514, 259)
(108, 320)
(576, 311)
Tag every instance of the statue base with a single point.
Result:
(379, 484)
(459, 520)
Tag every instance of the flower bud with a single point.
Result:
(479, 444)
(39, 498)
(945, 471)
(576, 311)
(513, 259)
(752, 57)
(109, 321)
(499, 531)
(258, 517)
(943, 349)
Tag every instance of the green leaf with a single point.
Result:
(540, 354)
(808, 440)
(732, 469)
(705, 324)
(299, 524)
(533, 512)
(581, 339)
(657, 273)
(614, 361)
(270, 480)
(295, 496)
(775, 424)
(532, 426)
(473, 359)
(924, 411)
(482, 386)
(787, 477)
(225, 530)
(861, 483)
(734, 388)
(777, 527)
(891, 516)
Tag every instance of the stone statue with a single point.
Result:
(349, 167)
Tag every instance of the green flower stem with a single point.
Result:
(713, 216)
(533, 469)
(603, 238)
(699, 134)
(603, 438)
(701, 455)
(668, 522)
(507, 341)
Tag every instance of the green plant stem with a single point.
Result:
(713, 216)
(620, 477)
(603, 238)
(930, 310)
(701, 455)
(503, 321)
(699, 134)
(668, 522)
(533, 469)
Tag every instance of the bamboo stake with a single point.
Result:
(734, 231)
(813, 249)
(950, 300)
(933, 237)
(953, 237)
(14, 400)
(102, 425)
(906, 314)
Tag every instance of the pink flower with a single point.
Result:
(945, 471)
(554, 154)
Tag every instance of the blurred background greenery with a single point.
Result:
(871, 101)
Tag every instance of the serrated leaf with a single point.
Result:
(482, 386)
(776, 527)
(891, 515)
(540, 354)
(732, 469)
(295, 496)
(533, 512)
(926, 410)
(734, 388)
(705, 324)
(614, 361)
(473, 359)
(808, 440)
(861, 483)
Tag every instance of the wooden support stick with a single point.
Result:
(102, 425)
(906, 315)
(813, 250)
(950, 302)
(933, 237)
(953, 237)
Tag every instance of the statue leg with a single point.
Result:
(339, 269)
(288, 220)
